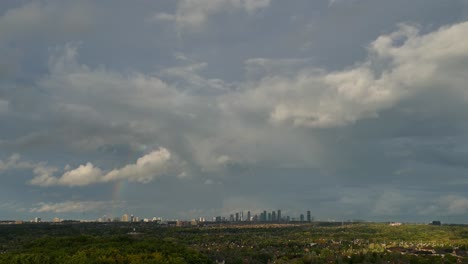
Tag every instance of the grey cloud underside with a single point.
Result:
(334, 106)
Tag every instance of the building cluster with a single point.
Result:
(274, 216)
(264, 217)
(128, 218)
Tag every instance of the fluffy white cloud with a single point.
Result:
(399, 65)
(191, 14)
(72, 207)
(83, 175)
(145, 169)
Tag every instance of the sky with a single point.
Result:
(352, 109)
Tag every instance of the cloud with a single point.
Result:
(69, 78)
(399, 66)
(145, 169)
(455, 205)
(163, 17)
(83, 175)
(14, 162)
(44, 176)
(335, 2)
(451, 205)
(187, 78)
(43, 173)
(11, 206)
(73, 207)
(207, 118)
(4, 105)
(391, 203)
(44, 19)
(192, 14)
(98, 107)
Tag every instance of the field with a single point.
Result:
(225, 243)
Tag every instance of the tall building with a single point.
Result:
(237, 217)
(273, 216)
(278, 215)
(264, 216)
(248, 216)
(125, 218)
(302, 217)
(309, 217)
(231, 218)
(269, 217)
(132, 218)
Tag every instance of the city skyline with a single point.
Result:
(354, 109)
(233, 217)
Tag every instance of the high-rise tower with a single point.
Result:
(125, 218)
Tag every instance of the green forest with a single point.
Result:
(306, 243)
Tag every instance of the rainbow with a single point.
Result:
(120, 188)
(118, 192)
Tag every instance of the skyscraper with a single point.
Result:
(237, 217)
(273, 216)
(248, 216)
(278, 215)
(309, 217)
(302, 217)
